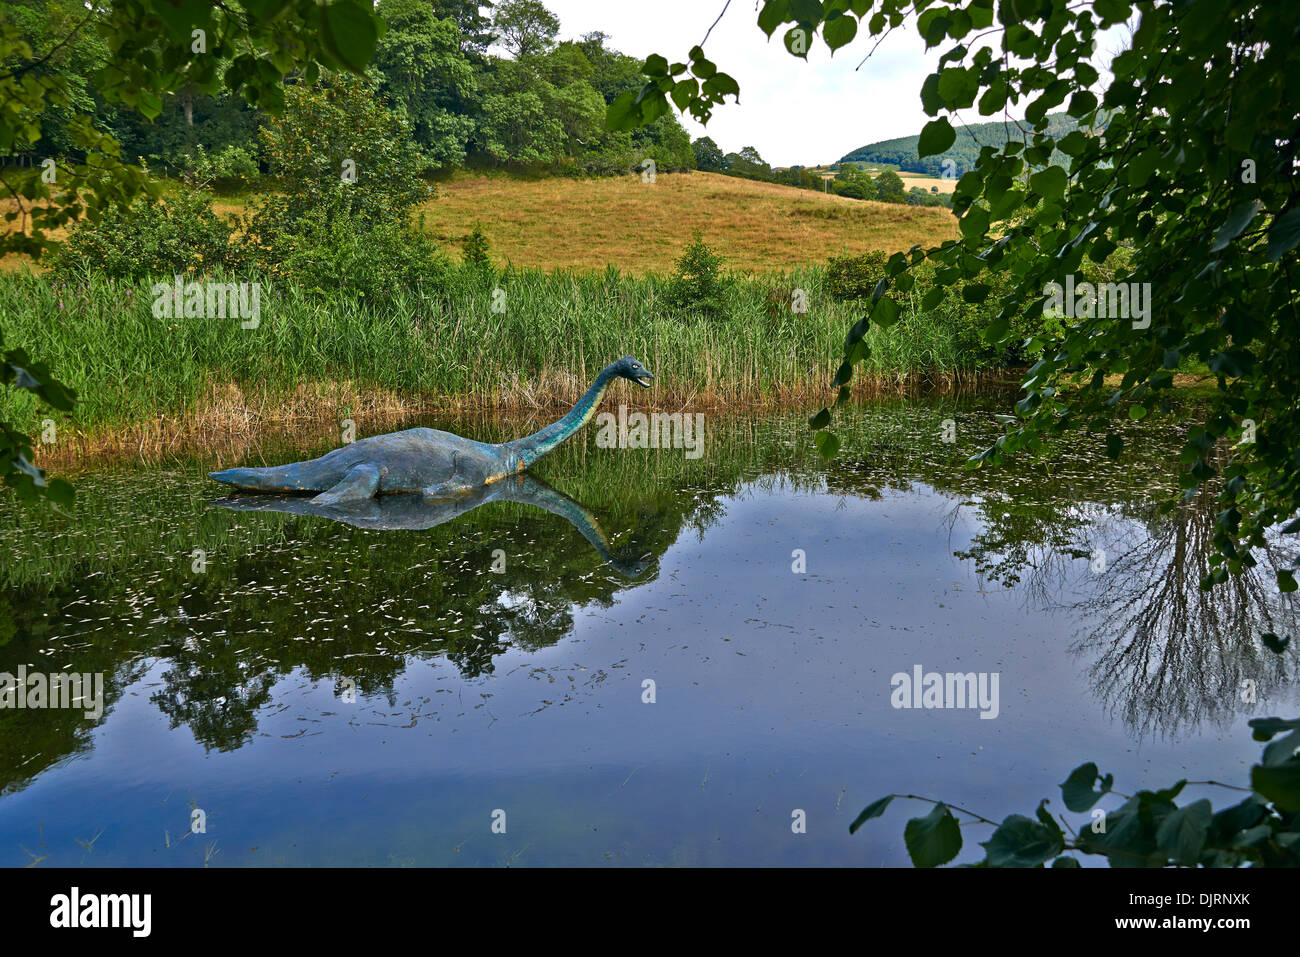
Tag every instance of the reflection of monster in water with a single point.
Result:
(413, 511)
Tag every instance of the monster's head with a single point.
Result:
(629, 368)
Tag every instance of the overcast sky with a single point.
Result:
(791, 111)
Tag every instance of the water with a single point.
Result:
(383, 692)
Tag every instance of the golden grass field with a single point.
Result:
(926, 182)
(641, 227)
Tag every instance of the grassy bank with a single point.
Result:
(145, 382)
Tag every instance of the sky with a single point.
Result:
(793, 112)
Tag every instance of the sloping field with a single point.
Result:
(641, 227)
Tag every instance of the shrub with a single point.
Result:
(853, 189)
(338, 149)
(347, 178)
(852, 278)
(474, 250)
(697, 285)
(232, 168)
(151, 238)
(338, 255)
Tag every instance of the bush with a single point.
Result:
(697, 285)
(338, 255)
(232, 168)
(347, 177)
(474, 250)
(337, 148)
(852, 278)
(854, 189)
(889, 188)
(149, 239)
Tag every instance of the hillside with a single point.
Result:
(641, 227)
(901, 152)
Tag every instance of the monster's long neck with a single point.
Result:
(533, 447)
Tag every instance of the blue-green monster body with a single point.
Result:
(438, 464)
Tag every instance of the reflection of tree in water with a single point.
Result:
(216, 690)
(295, 594)
(347, 606)
(1169, 655)
(1166, 655)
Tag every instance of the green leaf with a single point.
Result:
(59, 491)
(839, 31)
(1082, 102)
(885, 313)
(1283, 234)
(975, 223)
(827, 444)
(934, 839)
(350, 33)
(821, 419)
(798, 40)
(773, 14)
(874, 809)
(1022, 842)
(1076, 790)
(1049, 183)
(149, 103)
(1238, 219)
(936, 137)
(1281, 784)
(1181, 835)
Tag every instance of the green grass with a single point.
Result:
(558, 329)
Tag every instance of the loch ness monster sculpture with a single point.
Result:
(440, 465)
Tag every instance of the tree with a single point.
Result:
(708, 155)
(890, 187)
(425, 71)
(152, 51)
(530, 120)
(337, 150)
(1180, 180)
(475, 29)
(524, 27)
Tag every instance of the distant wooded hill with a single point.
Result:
(964, 152)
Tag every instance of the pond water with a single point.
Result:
(639, 658)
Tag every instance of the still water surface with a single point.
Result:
(376, 691)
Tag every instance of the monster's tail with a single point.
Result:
(258, 480)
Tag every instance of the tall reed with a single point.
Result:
(520, 339)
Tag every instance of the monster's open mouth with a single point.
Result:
(644, 380)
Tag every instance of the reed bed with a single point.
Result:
(520, 341)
